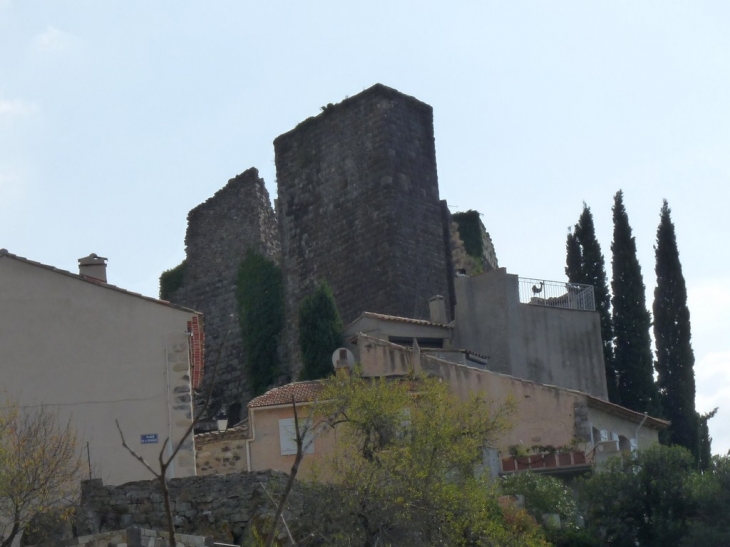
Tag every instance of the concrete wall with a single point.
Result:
(96, 355)
(554, 346)
(358, 205)
(220, 231)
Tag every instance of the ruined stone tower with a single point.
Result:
(358, 205)
(220, 231)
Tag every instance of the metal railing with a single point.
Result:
(556, 294)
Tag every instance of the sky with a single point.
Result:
(118, 117)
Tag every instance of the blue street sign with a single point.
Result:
(148, 438)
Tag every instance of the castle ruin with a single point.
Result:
(358, 206)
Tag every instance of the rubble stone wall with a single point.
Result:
(221, 506)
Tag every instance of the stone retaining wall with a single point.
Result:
(137, 537)
(221, 506)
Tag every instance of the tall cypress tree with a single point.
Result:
(320, 333)
(631, 321)
(592, 271)
(674, 356)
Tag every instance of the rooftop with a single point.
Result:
(8, 254)
(299, 392)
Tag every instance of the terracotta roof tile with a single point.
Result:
(302, 392)
(238, 431)
(397, 319)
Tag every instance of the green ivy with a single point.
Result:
(470, 232)
(260, 298)
(171, 280)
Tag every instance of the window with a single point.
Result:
(288, 437)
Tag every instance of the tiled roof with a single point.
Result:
(301, 392)
(636, 417)
(238, 431)
(397, 319)
(5, 252)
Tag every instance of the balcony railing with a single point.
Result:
(556, 294)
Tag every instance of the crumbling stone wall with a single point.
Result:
(221, 506)
(477, 241)
(220, 231)
(358, 205)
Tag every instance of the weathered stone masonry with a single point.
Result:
(220, 231)
(221, 506)
(358, 205)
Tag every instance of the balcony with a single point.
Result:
(557, 461)
(556, 294)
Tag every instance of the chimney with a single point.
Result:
(437, 309)
(93, 267)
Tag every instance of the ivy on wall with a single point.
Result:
(171, 280)
(260, 298)
(470, 232)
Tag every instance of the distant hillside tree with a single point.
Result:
(260, 295)
(633, 360)
(585, 264)
(674, 356)
(320, 333)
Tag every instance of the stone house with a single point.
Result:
(96, 353)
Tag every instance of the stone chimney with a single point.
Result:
(437, 309)
(93, 267)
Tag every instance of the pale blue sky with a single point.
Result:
(117, 117)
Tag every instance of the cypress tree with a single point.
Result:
(573, 258)
(705, 441)
(674, 355)
(260, 295)
(631, 320)
(320, 333)
(592, 271)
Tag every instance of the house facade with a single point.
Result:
(554, 429)
(98, 354)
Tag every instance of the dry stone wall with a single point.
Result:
(222, 506)
(220, 231)
(136, 537)
(358, 205)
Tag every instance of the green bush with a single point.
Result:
(171, 280)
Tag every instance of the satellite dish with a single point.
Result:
(343, 357)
